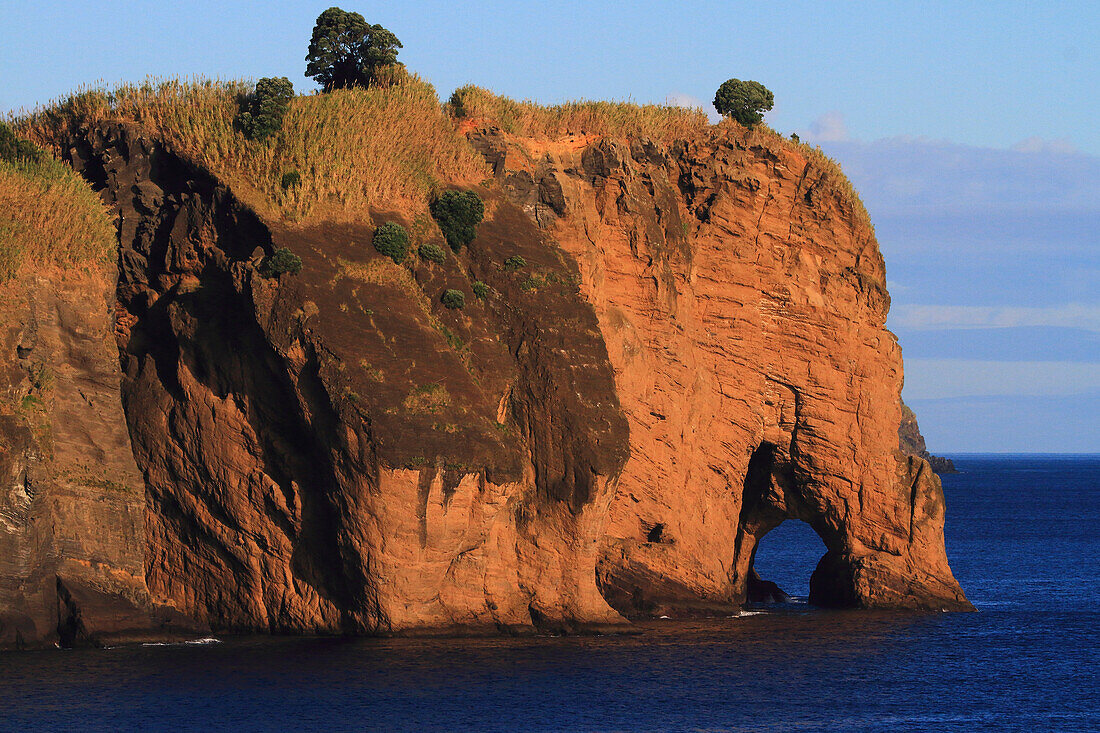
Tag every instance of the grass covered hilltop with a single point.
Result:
(48, 214)
(377, 138)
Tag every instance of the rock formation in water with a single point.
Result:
(682, 347)
(912, 443)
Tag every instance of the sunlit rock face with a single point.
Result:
(693, 351)
(743, 302)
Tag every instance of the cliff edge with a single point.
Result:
(681, 344)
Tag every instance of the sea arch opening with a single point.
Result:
(783, 563)
(774, 493)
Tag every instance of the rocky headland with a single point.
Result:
(682, 344)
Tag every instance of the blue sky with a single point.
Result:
(969, 128)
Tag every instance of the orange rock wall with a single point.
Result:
(743, 302)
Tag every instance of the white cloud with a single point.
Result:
(953, 317)
(954, 378)
(1036, 144)
(679, 99)
(828, 128)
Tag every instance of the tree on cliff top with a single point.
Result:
(744, 101)
(346, 51)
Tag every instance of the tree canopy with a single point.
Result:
(346, 51)
(263, 111)
(744, 101)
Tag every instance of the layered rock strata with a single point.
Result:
(682, 347)
(72, 501)
(742, 298)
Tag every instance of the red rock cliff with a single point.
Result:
(692, 351)
(742, 297)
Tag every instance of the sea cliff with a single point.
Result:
(682, 344)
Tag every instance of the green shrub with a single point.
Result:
(290, 179)
(458, 214)
(345, 51)
(431, 253)
(16, 150)
(453, 299)
(744, 101)
(515, 262)
(392, 240)
(534, 282)
(263, 111)
(283, 260)
(481, 290)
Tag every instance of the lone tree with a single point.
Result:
(345, 51)
(744, 101)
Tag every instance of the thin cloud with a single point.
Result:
(927, 379)
(828, 128)
(953, 317)
(679, 99)
(1036, 144)
(918, 176)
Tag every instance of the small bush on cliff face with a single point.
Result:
(290, 179)
(458, 214)
(262, 113)
(515, 262)
(481, 290)
(744, 101)
(431, 253)
(283, 260)
(392, 240)
(532, 283)
(346, 51)
(453, 299)
(427, 398)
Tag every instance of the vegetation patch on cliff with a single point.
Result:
(387, 146)
(48, 214)
(584, 117)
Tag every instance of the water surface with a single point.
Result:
(1021, 535)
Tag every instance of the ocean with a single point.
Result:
(1023, 537)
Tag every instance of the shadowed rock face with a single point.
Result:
(692, 351)
(337, 452)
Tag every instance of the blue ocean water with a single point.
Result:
(1022, 535)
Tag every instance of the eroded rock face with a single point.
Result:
(72, 543)
(682, 347)
(743, 303)
(337, 452)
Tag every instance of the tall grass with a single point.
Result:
(661, 123)
(50, 217)
(386, 147)
(383, 147)
(618, 119)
